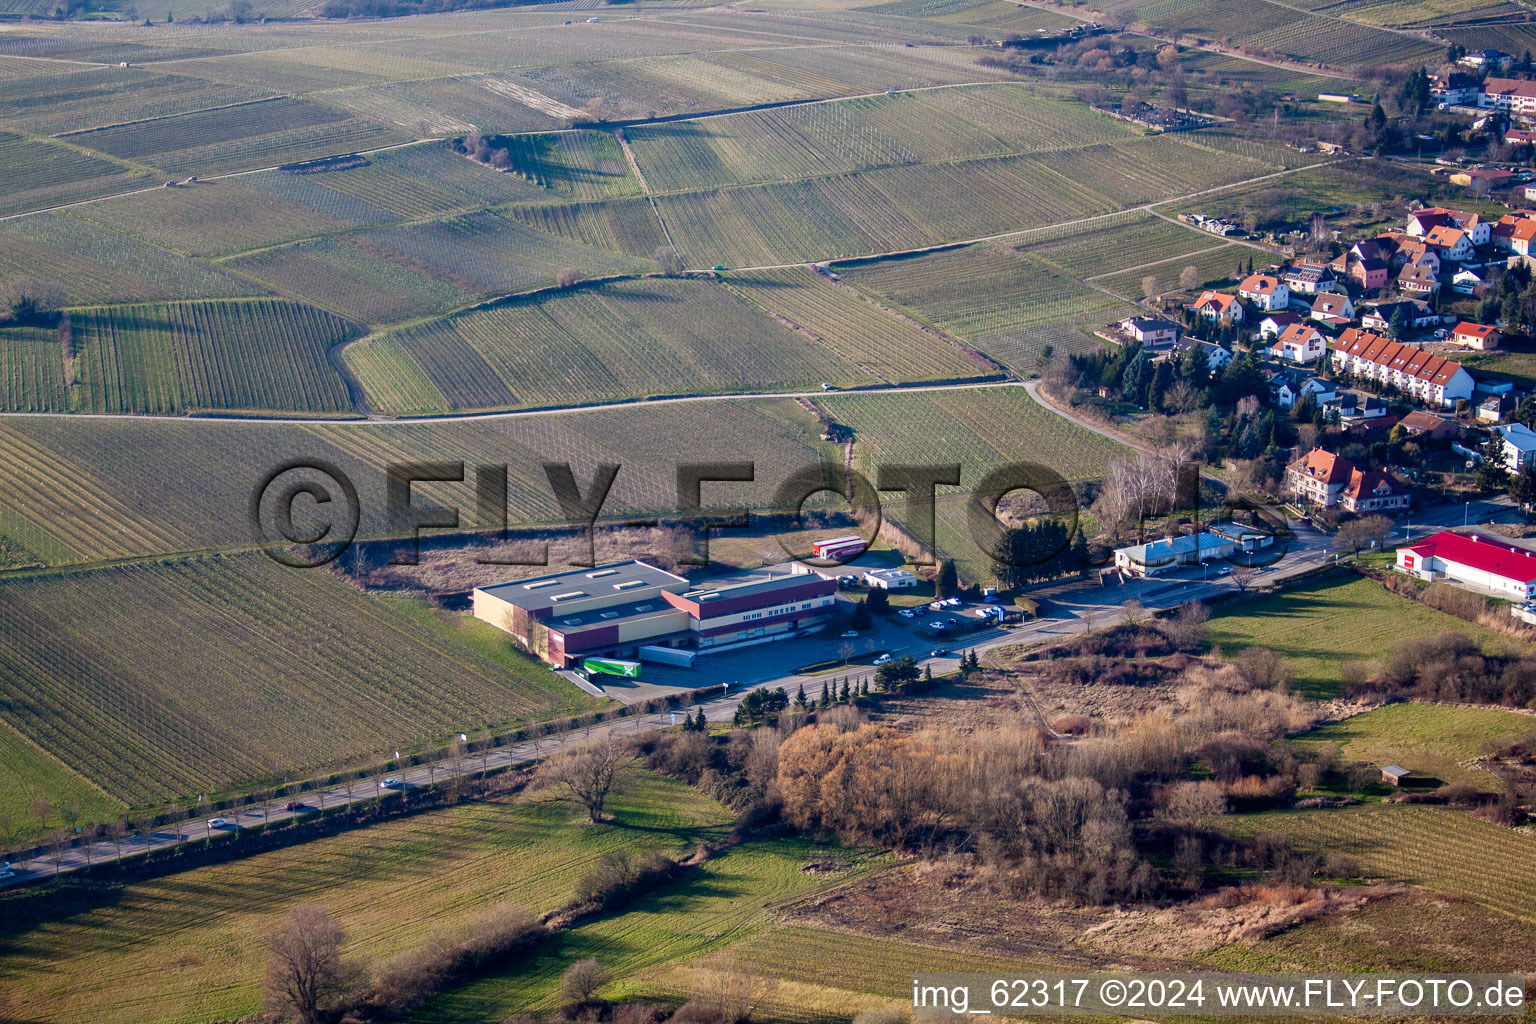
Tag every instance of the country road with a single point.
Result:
(1070, 607)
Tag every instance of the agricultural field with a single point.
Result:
(628, 226)
(1283, 30)
(726, 900)
(1430, 740)
(995, 298)
(1436, 848)
(1212, 266)
(885, 345)
(55, 103)
(253, 356)
(238, 137)
(168, 358)
(982, 430)
(293, 672)
(105, 962)
(1099, 249)
(35, 174)
(821, 138)
(387, 275)
(84, 490)
(97, 265)
(631, 339)
(1319, 626)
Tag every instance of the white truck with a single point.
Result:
(666, 656)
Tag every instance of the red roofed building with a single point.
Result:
(1450, 242)
(1476, 336)
(1432, 379)
(1299, 343)
(1218, 306)
(1513, 94)
(1265, 291)
(1469, 558)
(1322, 478)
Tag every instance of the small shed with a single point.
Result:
(1392, 775)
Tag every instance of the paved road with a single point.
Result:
(1069, 607)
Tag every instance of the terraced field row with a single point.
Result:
(97, 265)
(1282, 28)
(1441, 849)
(883, 345)
(1104, 249)
(293, 671)
(387, 275)
(82, 490)
(991, 296)
(626, 340)
(1210, 265)
(37, 174)
(626, 226)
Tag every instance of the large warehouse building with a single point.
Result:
(1481, 561)
(612, 610)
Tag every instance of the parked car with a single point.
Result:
(718, 266)
(391, 783)
(849, 634)
(939, 652)
(297, 805)
(218, 823)
(6, 871)
(883, 659)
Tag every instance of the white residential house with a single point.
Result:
(1219, 306)
(1299, 343)
(1216, 357)
(1516, 95)
(1275, 323)
(1153, 332)
(1333, 308)
(1431, 379)
(1451, 243)
(1519, 445)
(1266, 291)
(1469, 282)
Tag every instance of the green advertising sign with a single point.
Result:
(612, 667)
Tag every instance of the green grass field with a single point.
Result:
(1321, 624)
(1428, 739)
(278, 672)
(29, 775)
(391, 885)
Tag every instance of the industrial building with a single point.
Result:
(614, 610)
(1480, 561)
(1172, 552)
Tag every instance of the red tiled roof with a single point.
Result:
(1259, 284)
(1365, 483)
(1473, 330)
(1221, 300)
(1415, 362)
(1510, 87)
(1297, 334)
(1490, 556)
(1319, 464)
(1445, 236)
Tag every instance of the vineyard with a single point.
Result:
(293, 672)
(262, 355)
(35, 174)
(97, 265)
(84, 490)
(1320, 626)
(981, 430)
(626, 340)
(1211, 265)
(1103, 249)
(49, 104)
(991, 296)
(445, 106)
(884, 346)
(386, 275)
(448, 866)
(627, 226)
(1287, 31)
(1443, 850)
(29, 774)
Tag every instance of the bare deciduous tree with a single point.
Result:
(1149, 289)
(306, 979)
(587, 775)
(569, 277)
(23, 299)
(582, 979)
(1244, 576)
(1189, 278)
